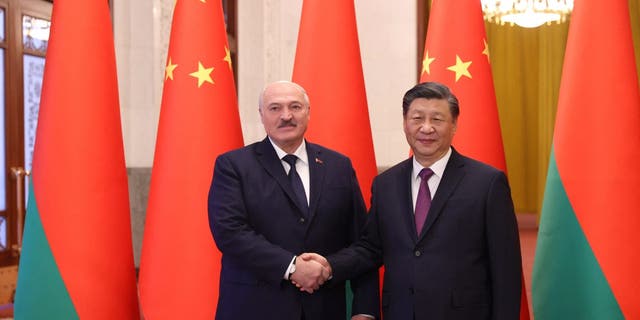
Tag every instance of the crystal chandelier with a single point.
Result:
(526, 13)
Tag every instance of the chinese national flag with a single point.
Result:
(456, 54)
(588, 250)
(328, 66)
(199, 119)
(77, 256)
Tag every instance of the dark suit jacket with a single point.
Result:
(258, 226)
(466, 262)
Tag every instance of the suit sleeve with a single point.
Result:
(504, 251)
(364, 255)
(233, 235)
(366, 287)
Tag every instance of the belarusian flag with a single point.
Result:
(77, 256)
(588, 251)
(199, 119)
(456, 54)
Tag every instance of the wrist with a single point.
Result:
(292, 267)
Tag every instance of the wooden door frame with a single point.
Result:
(14, 105)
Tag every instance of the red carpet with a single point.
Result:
(527, 222)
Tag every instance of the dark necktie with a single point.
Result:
(423, 202)
(295, 180)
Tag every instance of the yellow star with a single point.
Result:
(461, 68)
(426, 63)
(227, 56)
(168, 70)
(486, 50)
(203, 1)
(203, 74)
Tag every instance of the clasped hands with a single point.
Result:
(312, 270)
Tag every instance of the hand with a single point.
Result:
(361, 317)
(319, 259)
(309, 275)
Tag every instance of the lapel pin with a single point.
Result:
(319, 161)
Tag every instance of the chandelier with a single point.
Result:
(526, 13)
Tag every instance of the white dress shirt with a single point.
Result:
(433, 182)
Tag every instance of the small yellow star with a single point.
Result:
(168, 70)
(203, 74)
(461, 68)
(426, 63)
(227, 56)
(203, 1)
(486, 50)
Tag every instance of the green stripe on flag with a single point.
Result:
(41, 293)
(568, 282)
(349, 296)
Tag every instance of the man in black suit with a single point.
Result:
(263, 212)
(463, 260)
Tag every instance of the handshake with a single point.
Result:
(312, 270)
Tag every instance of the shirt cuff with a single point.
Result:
(286, 272)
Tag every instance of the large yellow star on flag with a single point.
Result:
(461, 68)
(426, 63)
(486, 50)
(203, 74)
(227, 56)
(168, 70)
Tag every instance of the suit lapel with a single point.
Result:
(268, 158)
(453, 174)
(317, 172)
(404, 189)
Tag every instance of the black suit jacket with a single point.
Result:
(466, 262)
(258, 226)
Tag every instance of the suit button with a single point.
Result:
(301, 220)
(417, 253)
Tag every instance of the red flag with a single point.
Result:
(199, 119)
(328, 66)
(456, 54)
(77, 257)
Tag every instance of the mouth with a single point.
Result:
(426, 141)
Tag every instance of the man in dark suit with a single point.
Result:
(463, 260)
(275, 199)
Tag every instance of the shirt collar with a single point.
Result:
(437, 167)
(301, 152)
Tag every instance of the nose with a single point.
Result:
(286, 114)
(426, 127)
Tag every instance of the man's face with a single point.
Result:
(429, 128)
(285, 114)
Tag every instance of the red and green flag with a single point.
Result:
(77, 256)
(199, 119)
(588, 250)
(456, 54)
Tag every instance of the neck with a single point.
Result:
(290, 147)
